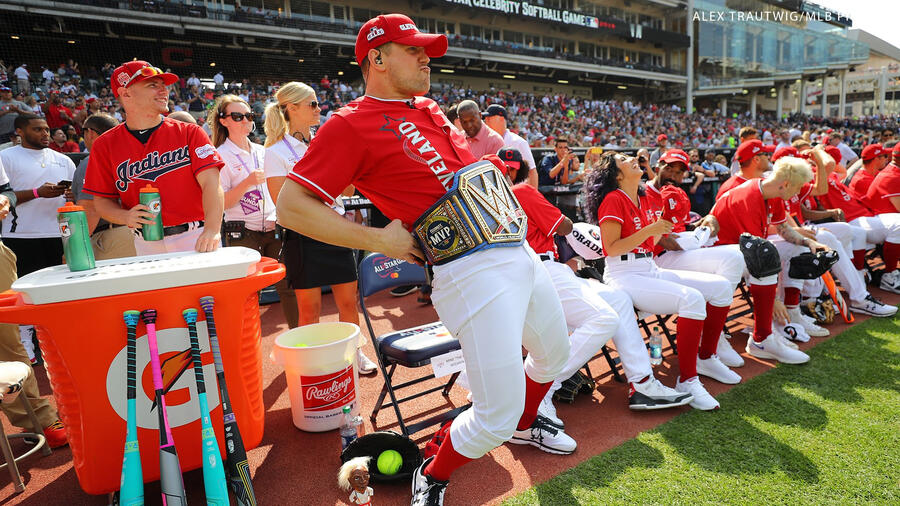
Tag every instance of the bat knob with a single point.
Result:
(149, 316)
(131, 317)
(190, 315)
(207, 303)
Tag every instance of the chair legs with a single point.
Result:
(7, 451)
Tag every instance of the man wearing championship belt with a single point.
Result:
(490, 290)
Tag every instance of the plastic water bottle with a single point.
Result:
(150, 198)
(73, 228)
(655, 347)
(351, 427)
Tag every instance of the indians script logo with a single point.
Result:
(374, 32)
(179, 383)
(151, 167)
(387, 267)
(417, 148)
(329, 391)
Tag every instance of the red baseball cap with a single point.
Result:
(397, 28)
(872, 150)
(896, 151)
(749, 149)
(136, 71)
(676, 155)
(834, 152)
(661, 137)
(785, 151)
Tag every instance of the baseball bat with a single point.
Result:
(213, 473)
(170, 479)
(236, 465)
(131, 487)
(837, 298)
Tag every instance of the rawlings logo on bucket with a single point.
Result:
(330, 391)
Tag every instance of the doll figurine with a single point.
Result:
(354, 474)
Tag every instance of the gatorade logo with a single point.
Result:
(155, 206)
(182, 406)
(64, 229)
(329, 391)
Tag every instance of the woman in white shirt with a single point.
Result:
(310, 264)
(249, 210)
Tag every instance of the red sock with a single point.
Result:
(890, 253)
(712, 329)
(791, 297)
(688, 330)
(446, 461)
(763, 303)
(859, 259)
(534, 394)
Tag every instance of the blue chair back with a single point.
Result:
(379, 272)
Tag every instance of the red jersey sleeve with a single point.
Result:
(332, 162)
(203, 155)
(612, 208)
(776, 209)
(541, 213)
(99, 178)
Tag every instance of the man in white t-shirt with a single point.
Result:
(219, 79)
(48, 76)
(22, 77)
(495, 117)
(193, 81)
(848, 156)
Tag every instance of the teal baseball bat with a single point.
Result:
(131, 487)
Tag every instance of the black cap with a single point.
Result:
(511, 157)
(495, 110)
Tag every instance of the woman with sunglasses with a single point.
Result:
(615, 199)
(310, 264)
(249, 210)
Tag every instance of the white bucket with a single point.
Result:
(320, 365)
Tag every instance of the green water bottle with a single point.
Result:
(73, 227)
(150, 198)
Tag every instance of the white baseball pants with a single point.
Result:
(881, 228)
(725, 261)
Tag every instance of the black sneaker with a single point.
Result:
(400, 291)
(426, 491)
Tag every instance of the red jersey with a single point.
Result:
(402, 155)
(732, 182)
(54, 119)
(618, 206)
(744, 209)
(793, 206)
(885, 185)
(119, 166)
(839, 196)
(861, 181)
(543, 218)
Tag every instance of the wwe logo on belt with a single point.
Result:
(152, 166)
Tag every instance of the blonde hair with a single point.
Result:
(277, 123)
(219, 132)
(792, 170)
(348, 468)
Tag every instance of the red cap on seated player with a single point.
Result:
(873, 150)
(136, 71)
(834, 152)
(785, 151)
(400, 29)
(749, 149)
(676, 155)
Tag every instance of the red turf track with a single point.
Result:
(295, 467)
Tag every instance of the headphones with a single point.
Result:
(378, 58)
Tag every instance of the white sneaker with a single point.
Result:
(542, 434)
(713, 368)
(652, 394)
(548, 410)
(427, 491)
(808, 323)
(726, 353)
(890, 282)
(774, 347)
(366, 366)
(872, 306)
(702, 400)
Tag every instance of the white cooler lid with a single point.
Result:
(136, 274)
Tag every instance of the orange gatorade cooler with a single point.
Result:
(82, 336)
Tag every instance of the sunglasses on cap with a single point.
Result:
(143, 72)
(236, 116)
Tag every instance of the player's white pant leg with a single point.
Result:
(494, 301)
(182, 242)
(850, 278)
(716, 290)
(843, 232)
(786, 251)
(876, 231)
(591, 321)
(721, 260)
(650, 293)
(628, 340)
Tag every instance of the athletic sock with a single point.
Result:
(890, 253)
(688, 339)
(712, 329)
(534, 394)
(763, 304)
(859, 259)
(446, 461)
(791, 297)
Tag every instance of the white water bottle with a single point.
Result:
(655, 347)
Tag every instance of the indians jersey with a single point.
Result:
(845, 199)
(176, 152)
(618, 206)
(885, 185)
(861, 181)
(743, 209)
(401, 154)
(543, 218)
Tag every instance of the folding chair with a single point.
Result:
(411, 348)
(612, 362)
(661, 321)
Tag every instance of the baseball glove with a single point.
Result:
(760, 256)
(811, 266)
(371, 445)
(820, 309)
(577, 384)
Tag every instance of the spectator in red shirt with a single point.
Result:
(60, 142)
(58, 115)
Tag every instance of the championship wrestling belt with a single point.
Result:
(479, 211)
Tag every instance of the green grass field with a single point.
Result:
(824, 433)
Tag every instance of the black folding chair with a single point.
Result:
(411, 348)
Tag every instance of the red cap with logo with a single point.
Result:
(872, 150)
(749, 149)
(136, 71)
(400, 29)
(661, 137)
(676, 155)
(834, 152)
(784, 151)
